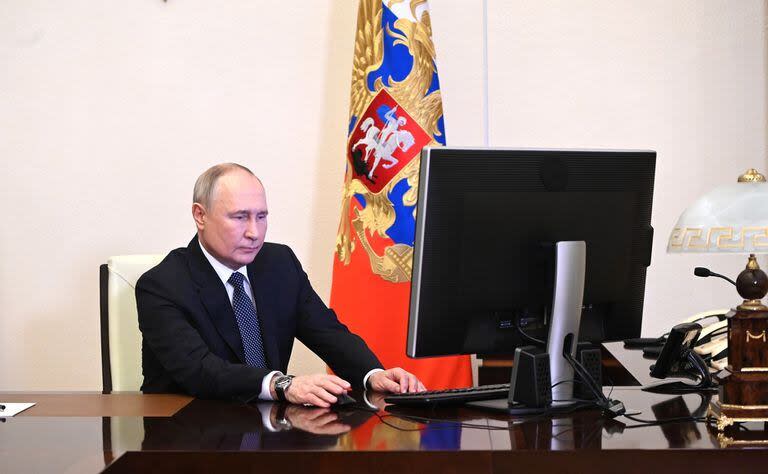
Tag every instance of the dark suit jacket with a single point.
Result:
(191, 341)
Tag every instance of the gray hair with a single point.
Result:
(206, 183)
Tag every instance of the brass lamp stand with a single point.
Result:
(743, 391)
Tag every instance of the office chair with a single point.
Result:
(120, 335)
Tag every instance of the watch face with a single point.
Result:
(281, 385)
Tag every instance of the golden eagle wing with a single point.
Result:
(369, 54)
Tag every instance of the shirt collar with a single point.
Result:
(223, 271)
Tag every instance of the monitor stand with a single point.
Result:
(570, 266)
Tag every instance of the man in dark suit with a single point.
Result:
(218, 318)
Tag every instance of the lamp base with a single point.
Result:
(747, 388)
(743, 383)
(726, 415)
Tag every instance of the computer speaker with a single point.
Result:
(590, 359)
(531, 382)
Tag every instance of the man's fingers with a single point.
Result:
(406, 382)
(324, 395)
(412, 383)
(403, 378)
(339, 381)
(318, 389)
(315, 413)
(390, 385)
(422, 388)
(332, 386)
(316, 401)
(326, 418)
(335, 428)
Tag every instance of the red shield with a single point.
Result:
(384, 140)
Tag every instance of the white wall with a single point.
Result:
(109, 110)
(686, 78)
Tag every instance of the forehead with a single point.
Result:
(239, 190)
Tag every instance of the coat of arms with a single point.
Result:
(395, 111)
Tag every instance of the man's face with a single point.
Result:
(232, 229)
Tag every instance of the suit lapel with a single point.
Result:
(214, 298)
(261, 286)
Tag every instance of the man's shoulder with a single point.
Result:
(170, 268)
(275, 257)
(175, 258)
(275, 250)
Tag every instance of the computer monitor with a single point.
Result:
(487, 225)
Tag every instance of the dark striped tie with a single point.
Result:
(250, 332)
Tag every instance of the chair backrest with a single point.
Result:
(120, 335)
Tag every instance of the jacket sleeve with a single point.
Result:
(176, 345)
(322, 332)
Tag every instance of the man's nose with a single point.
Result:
(252, 230)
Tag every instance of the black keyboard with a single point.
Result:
(452, 396)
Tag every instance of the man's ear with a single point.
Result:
(199, 215)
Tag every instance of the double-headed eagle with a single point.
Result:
(414, 31)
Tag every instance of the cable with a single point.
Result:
(646, 423)
(547, 413)
(586, 378)
(611, 408)
(528, 336)
(429, 420)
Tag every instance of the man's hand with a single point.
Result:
(319, 390)
(395, 380)
(315, 420)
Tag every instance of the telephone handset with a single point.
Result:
(713, 313)
(699, 318)
(711, 345)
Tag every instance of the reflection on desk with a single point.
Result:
(231, 436)
(212, 425)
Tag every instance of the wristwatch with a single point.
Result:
(282, 423)
(282, 382)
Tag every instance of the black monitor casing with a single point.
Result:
(487, 221)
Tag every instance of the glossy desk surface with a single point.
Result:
(130, 432)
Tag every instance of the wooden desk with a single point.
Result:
(85, 433)
(90, 404)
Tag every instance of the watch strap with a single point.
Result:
(281, 384)
(283, 423)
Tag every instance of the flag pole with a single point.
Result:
(486, 120)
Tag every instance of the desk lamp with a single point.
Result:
(734, 219)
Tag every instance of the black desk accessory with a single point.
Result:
(453, 396)
(678, 359)
(531, 386)
(344, 399)
(590, 358)
(531, 382)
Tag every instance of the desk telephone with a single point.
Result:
(711, 344)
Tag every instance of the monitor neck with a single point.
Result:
(568, 296)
